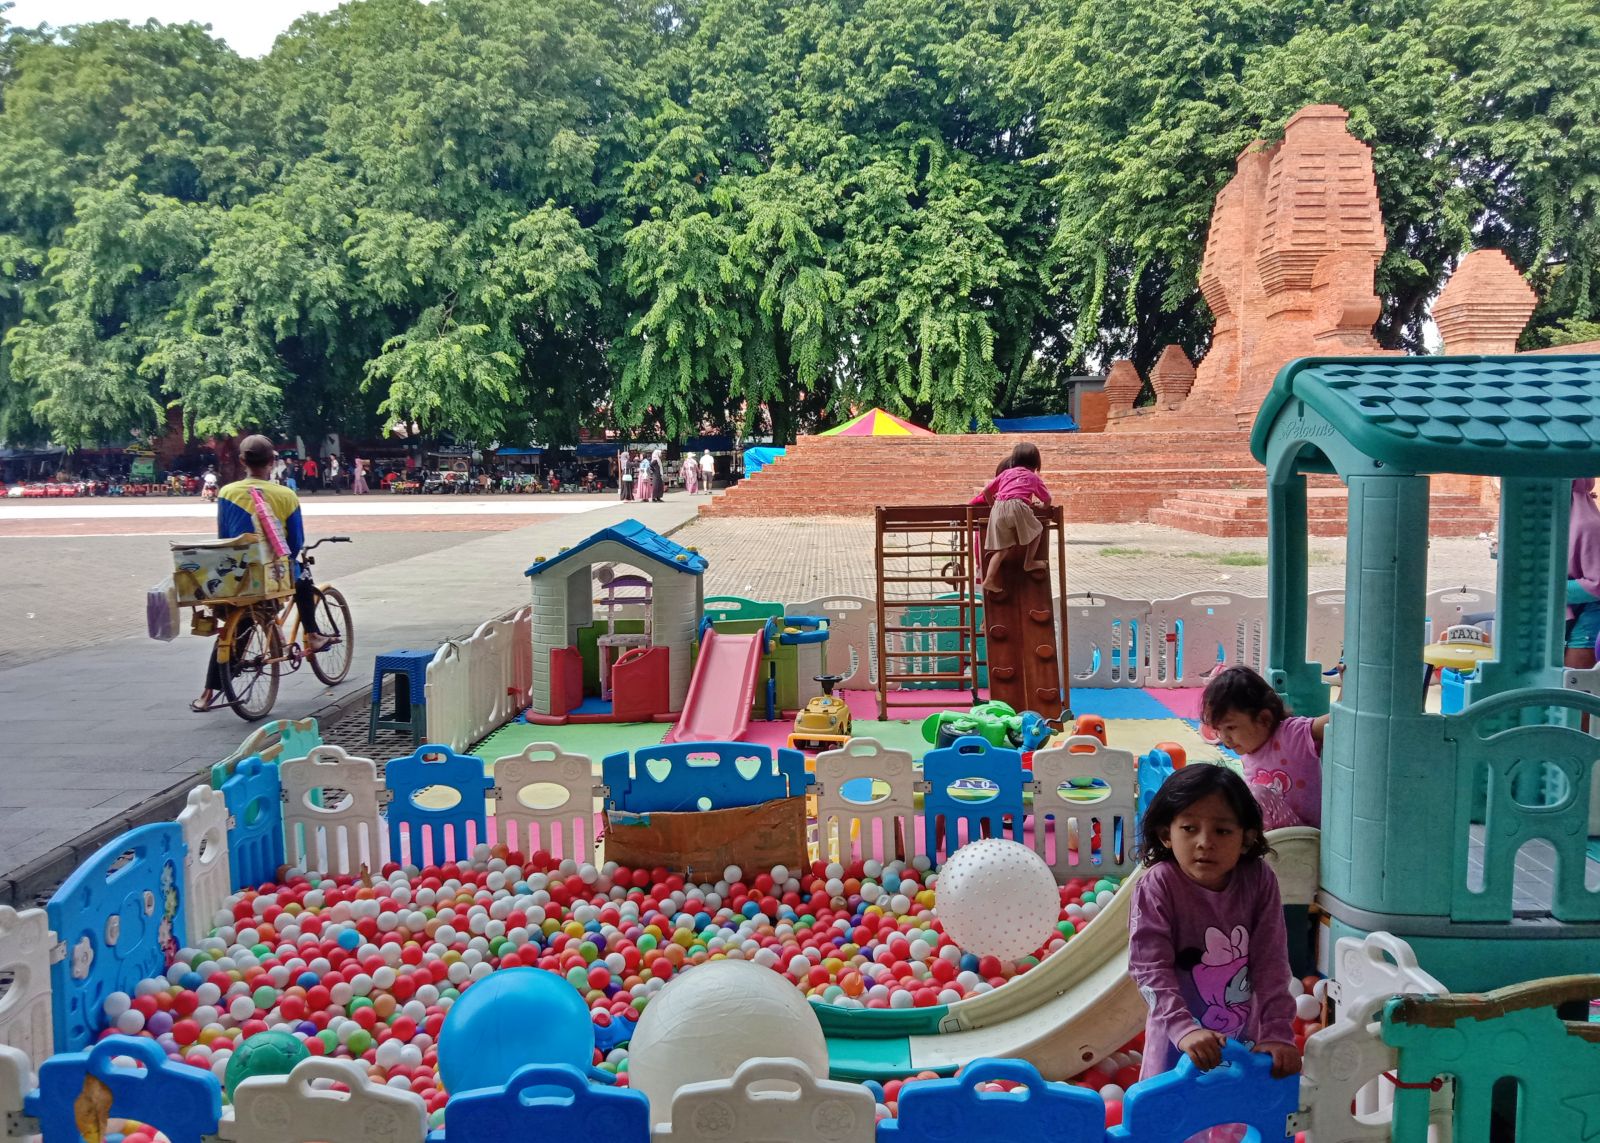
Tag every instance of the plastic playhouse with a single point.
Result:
(609, 900)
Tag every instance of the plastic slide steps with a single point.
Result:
(1074, 1009)
(721, 691)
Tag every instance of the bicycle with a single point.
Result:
(251, 647)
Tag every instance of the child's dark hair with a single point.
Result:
(1186, 787)
(1240, 689)
(1004, 464)
(1025, 455)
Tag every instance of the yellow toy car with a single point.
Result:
(825, 721)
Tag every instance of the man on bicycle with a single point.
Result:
(236, 516)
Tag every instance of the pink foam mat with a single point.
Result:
(1184, 702)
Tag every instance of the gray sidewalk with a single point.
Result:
(85, 736)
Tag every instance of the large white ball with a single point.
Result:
(711, 1019)
(997, 898)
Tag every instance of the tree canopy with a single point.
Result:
(513, 219)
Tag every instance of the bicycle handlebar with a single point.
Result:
(325, 540)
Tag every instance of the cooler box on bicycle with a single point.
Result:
(242, 569)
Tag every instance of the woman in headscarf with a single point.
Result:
(658, 477)
(1583, 575)
(689, 473)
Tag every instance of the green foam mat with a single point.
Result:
(594, 739)
(895, 734)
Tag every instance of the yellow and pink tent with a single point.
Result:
(876, 423)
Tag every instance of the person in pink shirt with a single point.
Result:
(1206, 939)
(1281, 753)
(1013, 528)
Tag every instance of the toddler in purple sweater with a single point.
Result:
(1206, 942)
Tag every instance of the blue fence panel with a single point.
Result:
(1170, 1108)
(552, 1102)
(254, 798)
(955, 1109)
(437, 831)
(688, 776)
(1154, 768)
(119, 918)
(973, 782)
(184, 1103)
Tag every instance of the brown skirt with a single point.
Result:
(1012, 524)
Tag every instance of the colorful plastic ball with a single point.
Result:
(998, 898)
(264, 1054)
(508, 1020)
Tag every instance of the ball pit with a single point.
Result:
(369, 971)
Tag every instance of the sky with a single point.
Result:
(249, 26)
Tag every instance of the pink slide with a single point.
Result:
(717, 708)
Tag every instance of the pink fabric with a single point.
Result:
(270, 530)
(1583, 539)
(1013, 484)
(1205, 958)
(1286, 775)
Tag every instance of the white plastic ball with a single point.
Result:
(1307, 1007)
(997, 898)
(705, 1023)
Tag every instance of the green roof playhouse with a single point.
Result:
(1425, 815)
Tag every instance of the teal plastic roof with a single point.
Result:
(654, 548)
(1522, 415)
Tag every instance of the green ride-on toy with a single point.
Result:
(825, 721)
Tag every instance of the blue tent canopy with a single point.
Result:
(715, 444)
(519, 452)
(1052, 423)
(755, 459)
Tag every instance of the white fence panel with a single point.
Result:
(774, 1101)
(880, 827)
(1194, 636)
(1325, 627)
(342, 833)
(1069, 802)
(302, 1107)
(207, 877)
(521, 622)
(1451, 605)
(544, 798)
(15, 1081)
(850, 636)
(446, 693)
(25, 944)
(1106, 637)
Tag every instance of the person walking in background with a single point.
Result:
(358, 477)
(624, 475)
(309, 476)
(689, 471)
(658, 477)
(333, 472)
(641, 478)
(708, 471)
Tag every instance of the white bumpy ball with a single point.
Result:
(997, 898)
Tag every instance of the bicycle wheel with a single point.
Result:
(250, 677)
(332, 663)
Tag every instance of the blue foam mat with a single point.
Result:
(1117, 702)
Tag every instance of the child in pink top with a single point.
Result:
(1013, 528)
(1281, 753)
(1206, 939)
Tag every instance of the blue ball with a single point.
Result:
(350, 940)
(512, 1018)
(969, 962)
(191, 981)
(308, 979)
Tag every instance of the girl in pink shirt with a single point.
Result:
(1013, 528)
(1206, 939)
(1281, 754)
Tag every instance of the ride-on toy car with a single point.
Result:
(825, 721)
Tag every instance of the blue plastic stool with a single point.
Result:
(410, 671)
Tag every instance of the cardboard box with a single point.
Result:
(705, 842)
(237, 570)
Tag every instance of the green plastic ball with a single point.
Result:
(269, 1053)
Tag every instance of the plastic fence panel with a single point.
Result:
(183, 1103)
(1325, 627)
(1587, 681)
(1170, 1108)
(301, 1108)
(448, 697)
(774, 1101)
(544, 799)
(1194, 636)
(1084, 794)
(255, 830)
(1345, 1062)
(1106, 637)
(271, 741)
(866, 803)
(1513, 1037)
(330, 812)
(850, 619)
(972, 789)
(555, 1103)
(1296, 859)
(1154, 768)
(119, 917)
(16, 1081)
(521, 659)
(956, 1109)
(207, 877)
(439, 808)
(702, 776)
(25, 944)
(1451, 605)
(720, 607)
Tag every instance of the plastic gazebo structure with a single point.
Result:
(1426, 816)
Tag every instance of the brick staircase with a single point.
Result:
(1198, 481)
(1243, 512)
(1103, 477)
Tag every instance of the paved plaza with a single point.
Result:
(95, 714)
